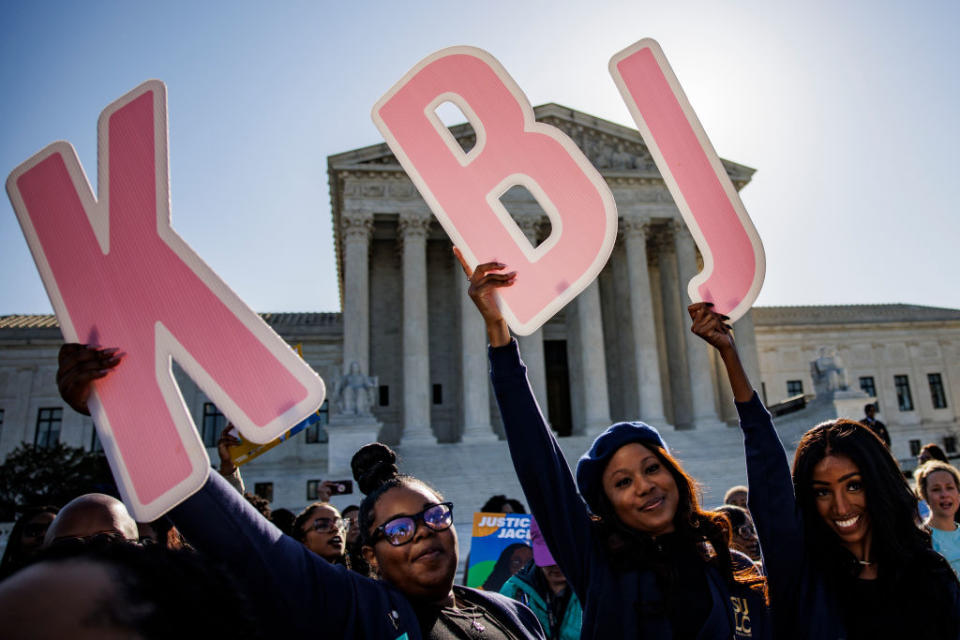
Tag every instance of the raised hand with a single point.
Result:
(711, 326)
(78, 366)
(484, 282)
(713, 329)
(224, 444)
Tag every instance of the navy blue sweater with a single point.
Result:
(612, 598)
(300, 594)
(802, 604)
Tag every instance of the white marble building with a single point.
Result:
(907, 357)
(623, 342)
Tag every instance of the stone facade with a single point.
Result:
(624, 342)
(878, 344)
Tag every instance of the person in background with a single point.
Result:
(743, 535)
(161, 532)
(284, 519)
(351, 518)
(259, 503)
(498, 503)
(927, 453)
(513, 558)
(542, 586)
(843, 555)
(870, 421)
(737, 496)
(502, 504)
(321, 529)
(26, 538)
(937, 483)
(92, 515)
(931, 451)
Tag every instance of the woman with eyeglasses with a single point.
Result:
(408, 539)
(321, 529)
(642, 556)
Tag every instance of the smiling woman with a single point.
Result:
(410, 542)
(843, 553)
(641, 555)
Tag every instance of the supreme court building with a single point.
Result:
(621, 350)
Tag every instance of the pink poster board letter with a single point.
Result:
(463, 189)
(118, 275)
(733, 258)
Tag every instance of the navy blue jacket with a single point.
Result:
(802, 604)
(300, 592)
(611, 598)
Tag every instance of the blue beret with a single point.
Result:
(591, 464)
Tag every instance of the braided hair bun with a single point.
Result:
(373, 466)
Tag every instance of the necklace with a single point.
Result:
(469, 614)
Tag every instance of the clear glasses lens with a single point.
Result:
(438, 517)
(400, 530)
(327, 525)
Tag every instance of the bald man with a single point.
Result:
(89, 515)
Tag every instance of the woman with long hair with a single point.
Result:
(408, 539)
(843, 555)
(642, 555)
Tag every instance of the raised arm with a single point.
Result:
(547, 483)
(278, 572)
(771, 498)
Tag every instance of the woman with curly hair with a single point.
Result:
(843, 554)
(642, 555)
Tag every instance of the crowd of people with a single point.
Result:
(838, 546)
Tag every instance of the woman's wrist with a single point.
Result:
(498, 333)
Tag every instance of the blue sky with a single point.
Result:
(848, 111)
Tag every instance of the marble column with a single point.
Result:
(746, 337)
(531, 347)
(596, 401)
(702, 394)
(674, 328)
(646, 358)
(413, 229)
(475, 376)
(356, 227)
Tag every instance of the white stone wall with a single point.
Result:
(881, 350)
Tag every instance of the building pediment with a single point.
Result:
(615, 150)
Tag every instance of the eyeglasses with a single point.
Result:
(400, 530)
(96, 540)
(327, 525)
